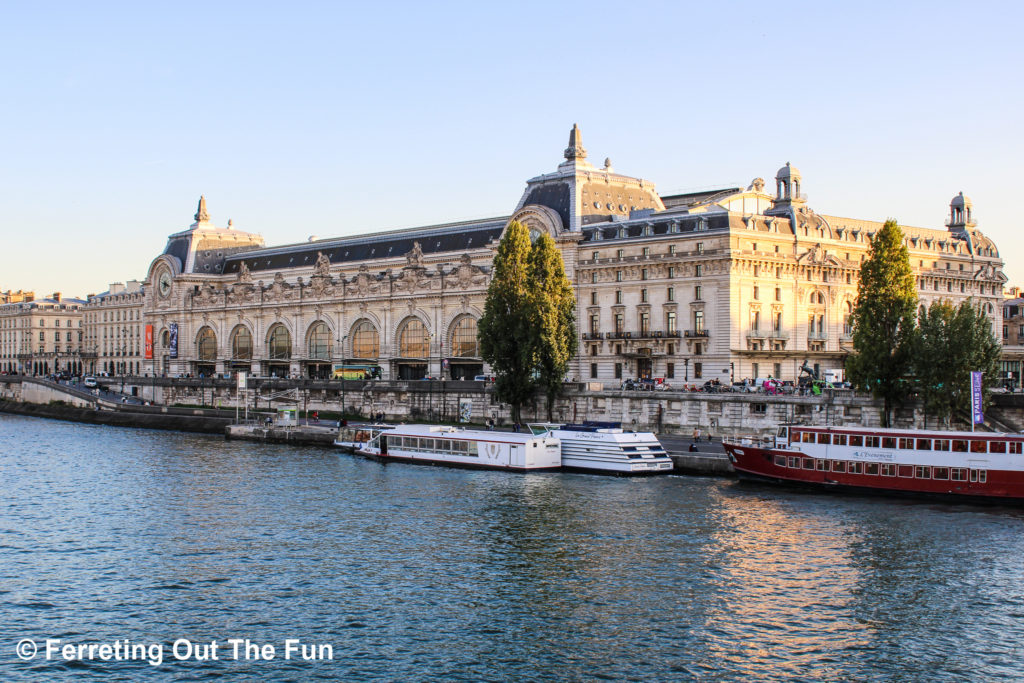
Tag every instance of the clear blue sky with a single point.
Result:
(327, 119)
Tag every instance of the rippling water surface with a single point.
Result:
(413, 572)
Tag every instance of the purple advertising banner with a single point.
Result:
(976, 415)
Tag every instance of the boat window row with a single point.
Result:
(911, 444)
(452, 446)
(882, 469)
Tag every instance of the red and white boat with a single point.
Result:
(975, 466)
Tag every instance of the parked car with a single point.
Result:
(90, 382)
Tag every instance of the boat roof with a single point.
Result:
(449, 432)
(917, 433)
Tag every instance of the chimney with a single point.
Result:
(56, 296)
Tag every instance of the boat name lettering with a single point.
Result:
(865, 455)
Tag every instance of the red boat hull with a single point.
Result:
(1001, 487)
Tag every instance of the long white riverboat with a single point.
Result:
(605, 448)
(445, 445)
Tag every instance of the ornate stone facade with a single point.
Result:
(721, 285)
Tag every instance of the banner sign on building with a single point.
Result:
(172, 343)
(976, 415)
(149, 342)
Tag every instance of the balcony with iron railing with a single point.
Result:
(696, 333)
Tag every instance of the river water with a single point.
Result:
(411, 573)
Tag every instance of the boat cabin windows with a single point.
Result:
(838, 466)
(906, 444)
(996, 446)
(871, 441)
(780, 460)
(855, 468)
(959, 446)
(922, 472)
(924, 444)
(979, 447)
(958, 474)
(906, 471)
(871, 468)
(794, 462)
(888, 442)
(856, 440)
(807, 437)
(824, 438)
(1014, 447)
(888, 470)
(412, 443)
(823, 465)
(839, 439)
(808, 463)
(982, 476)
(940, 473)
(941, 444)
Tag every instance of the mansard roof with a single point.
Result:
(452, 238)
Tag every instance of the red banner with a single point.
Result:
(149, 342)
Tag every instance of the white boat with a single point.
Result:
(444, 445)
(605, 448)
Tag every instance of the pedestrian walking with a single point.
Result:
(696, 433)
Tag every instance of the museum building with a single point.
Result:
(726, 284)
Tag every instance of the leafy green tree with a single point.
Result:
(933, 374)
(883, 320)
(552, 318)
(504, 329)
(952, 343)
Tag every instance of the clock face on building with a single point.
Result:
(163, 283)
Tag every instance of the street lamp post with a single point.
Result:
(341, 343)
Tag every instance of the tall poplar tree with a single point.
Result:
(552, 318)
(883, 320)
(504, 329)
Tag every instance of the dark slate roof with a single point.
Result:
(694, 198)
(178, 247)
(447, 238)
(555, 195)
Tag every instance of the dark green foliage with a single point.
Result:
(553, 318)
(528, 330)
(504, 328)
(883, 320)
(953, 342)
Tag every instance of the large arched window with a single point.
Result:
(464, 343)
(365, 341)
(207, 343)
(413, 341)
(165, 338)
(241, 343)
(279, 343)
(320, 341)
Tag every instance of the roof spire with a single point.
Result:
(201, 215)
(575, 149)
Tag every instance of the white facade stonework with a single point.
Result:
(720, 285)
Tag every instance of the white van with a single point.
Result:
(89, 382)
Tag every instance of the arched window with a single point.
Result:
(279, 343)
(365, 341)
(207, 343)
(413, 342)
(817, 298)
(241, 343)
(320, 341)
(463, 342)
(165, 337)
